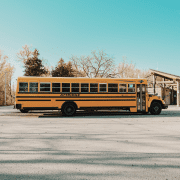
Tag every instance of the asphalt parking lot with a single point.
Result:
(45, 145)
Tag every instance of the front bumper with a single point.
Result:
(164, 106)
(18, 106)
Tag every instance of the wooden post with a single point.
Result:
(141, 97)
(154, 82)
(5, 91)
(164, 91)
(10, 90)
(172, 96)
(178, 93)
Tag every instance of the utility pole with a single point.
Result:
(177, 93)
(13, 92)
(5, 90)
(10, 90)
(154, 84)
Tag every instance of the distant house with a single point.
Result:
(164, 85)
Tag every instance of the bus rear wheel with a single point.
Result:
(69, 109)
(24, 111)
(155, 108)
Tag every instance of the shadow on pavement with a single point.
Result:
(92, 165)
(95, 114)
(112, 115)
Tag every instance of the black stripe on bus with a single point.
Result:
(75, 96)
(102, 107)
(76, 93)
(102, 100)
(97, 107)
(33, 100)
(41, 108)
(86, 100)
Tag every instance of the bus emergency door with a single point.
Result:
(141, 97)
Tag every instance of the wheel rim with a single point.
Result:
(156, 108)
(69, 110)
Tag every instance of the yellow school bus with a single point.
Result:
(69, 94)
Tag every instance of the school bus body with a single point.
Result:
(102, 93)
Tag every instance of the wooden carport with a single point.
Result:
(165, 80)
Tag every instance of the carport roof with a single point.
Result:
(165, 75)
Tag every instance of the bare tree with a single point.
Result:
(24, 54)
(32, 63)
(27, 53)
(5, 67)
(98, 64)
(129, 70)
(6, 73)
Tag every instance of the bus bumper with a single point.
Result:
(18, 106)
(165, 106)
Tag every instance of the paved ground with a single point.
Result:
(45, 145)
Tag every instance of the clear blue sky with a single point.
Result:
(146, 32)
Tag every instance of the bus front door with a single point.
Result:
(141, 97)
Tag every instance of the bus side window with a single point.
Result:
(66, 87)
(56, 87)
(131, 87)
(23, 87)
(75, 87)
(84, 87)
(102, 87)
(45, 87)
(122, 88)
(112, 87)
(33, 87)
(94, 87)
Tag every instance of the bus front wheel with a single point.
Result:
(68, 109)
(155, 108)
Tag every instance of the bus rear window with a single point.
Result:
(23, 87)
(112, 87)
(55, 87)
(33, 87)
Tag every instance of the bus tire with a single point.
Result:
(155, 108)
(68, 109)
(24, 111)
